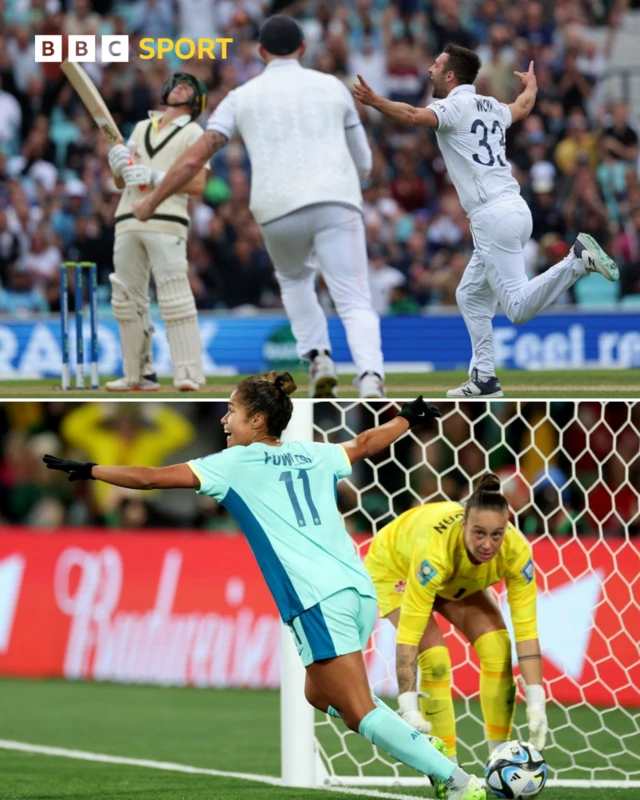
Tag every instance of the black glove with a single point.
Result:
(417, 412)
(78, 470)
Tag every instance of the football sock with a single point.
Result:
(497, 686)
(437, 708)
(381, 704)
(395, 736)
(332, 712)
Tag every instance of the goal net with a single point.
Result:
(571, 473)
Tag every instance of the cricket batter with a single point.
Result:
(470, 130)
(157, 247)
(308, 153)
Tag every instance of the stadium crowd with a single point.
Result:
(575, 472)
(576, 156)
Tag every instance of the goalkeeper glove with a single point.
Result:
(536, 715)
(417, 412)
(77, 470)
(410, 712)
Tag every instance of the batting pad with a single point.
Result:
(134, 336)
(178, 312)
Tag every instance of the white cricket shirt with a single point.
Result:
(471, 136)
(293, 122)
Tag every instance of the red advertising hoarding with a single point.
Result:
(194, 609)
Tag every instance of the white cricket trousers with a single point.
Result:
(336, 235)
(496, 274)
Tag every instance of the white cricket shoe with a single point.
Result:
(323, 379)
(186, 385)
(148, 383)
(371, 385)
(594, 258)
(472, 790)
(474, 387)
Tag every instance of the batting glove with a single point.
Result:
(536, 716)
(119, 157)
(142, 176)
(77, 470)
(417, 412)
(410, 712)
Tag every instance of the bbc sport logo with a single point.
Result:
(116, 48)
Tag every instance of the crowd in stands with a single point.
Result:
(575, 157)
(577, 471)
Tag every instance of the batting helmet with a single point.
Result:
(198, 102)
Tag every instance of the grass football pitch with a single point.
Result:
(516, 384)
(234, 732)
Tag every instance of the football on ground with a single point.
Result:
(515, 769)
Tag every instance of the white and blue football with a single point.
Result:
(515, 769)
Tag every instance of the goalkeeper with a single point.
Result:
(443, 557)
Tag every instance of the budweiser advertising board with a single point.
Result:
(194, 609)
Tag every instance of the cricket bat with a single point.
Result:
(94, 103)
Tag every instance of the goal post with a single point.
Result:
(571, 473)
(300, 760)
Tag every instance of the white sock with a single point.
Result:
(579, 267)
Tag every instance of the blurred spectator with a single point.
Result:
(42, 263)
(139, 433)
(153, 18)
(19, 298)
(10, 120)
(574, 87)
(81, 20)
(545, 209)
(620, 138)
(22, 52)
(583, 207)
(578, 144)
(534, 27)
(384, 280)
(498, 62)
(9, 249)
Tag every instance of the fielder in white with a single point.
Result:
(157, 247)
(470, 130)
(308, 153)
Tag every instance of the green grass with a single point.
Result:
(230, 730)
(516, 384)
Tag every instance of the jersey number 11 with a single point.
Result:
(287, 477)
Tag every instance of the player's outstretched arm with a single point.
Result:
(527, 98)
(184, 170)
(177, 476)
(402, 113)
(370, 442)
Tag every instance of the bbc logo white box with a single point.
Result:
(115, 48)
(49, 48)
(82, 48)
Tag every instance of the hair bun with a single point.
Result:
(284, 381)
(489, 483)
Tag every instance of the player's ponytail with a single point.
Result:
(487, 495)
(269, 395)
